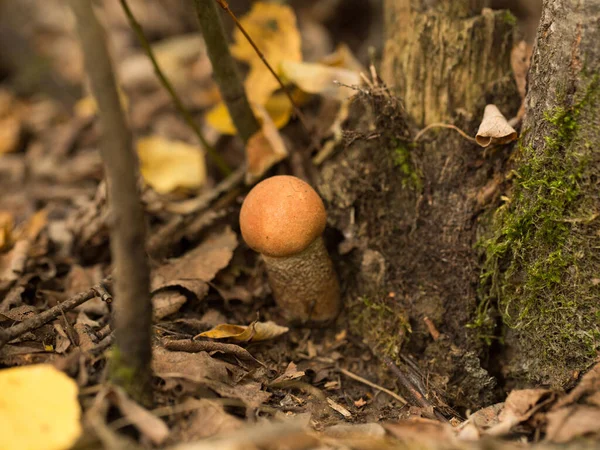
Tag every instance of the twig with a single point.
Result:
(186, 345)
(225, 69)
(137, 28)
(130, 362)
(443, 125)
(373, 385)
(43, 318)
(223, 4)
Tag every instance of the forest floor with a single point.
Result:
(229, 373)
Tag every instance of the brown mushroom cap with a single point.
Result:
(281, 216)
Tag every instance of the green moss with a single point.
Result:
(509, 18)
(402, 157)
(391, 323)
(539, 259)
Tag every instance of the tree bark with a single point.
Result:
(543, 250)
(132, 353)
(483, 265)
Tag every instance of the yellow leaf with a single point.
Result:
(7, 223)
(169, 165)
(39, 409)
(256, 331)
(321, 79)
(87, 107)
(273, 29)
(278, 107)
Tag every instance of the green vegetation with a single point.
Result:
(540, 262)
(402, 158)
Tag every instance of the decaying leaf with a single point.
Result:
(39, 409)
(147, 423)
(168, 165)
(6, 227)
(256, 331)
(494, 128)
(320, 79)
(264, 149)
(208, 418)
(10, 122)
(519, 406)
(566, 424)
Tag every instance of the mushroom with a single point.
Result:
(283, 218)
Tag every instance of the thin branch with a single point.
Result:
(7, 335)
(373, 385)
(444, 125)
(225, 69)
(212, 153)
(132, 352)
(223, 4)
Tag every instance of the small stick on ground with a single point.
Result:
(373, 385)
(132, 352)
(225, 70)
(185, 345)
(43, 318)
(443, 125)
(138, 30)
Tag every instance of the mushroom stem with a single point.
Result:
(305, 285)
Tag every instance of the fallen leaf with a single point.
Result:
(321, 79)
(494, 128)
(420, 429)
(87, 106)
(291, 373)
(588, 385)
(147, 423)
(355, 431)
(255, 332)
(165, 303)
(519, 406)
(197, 367)
(250, 393)
(577, 421)
(193, 270)
(264, 149)
(207, 419)
(167, 165)
(273, 29)
(7, 224)
(39, 409)
(339, 408)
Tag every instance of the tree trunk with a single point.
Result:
(543, 260)
(424, 225)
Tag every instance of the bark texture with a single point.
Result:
(408, 210)
(132, 353)
(542, 257)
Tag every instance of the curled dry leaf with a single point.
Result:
(264, 149)
(494, 128)
(168, 165)
(39, 408)
(255, 332)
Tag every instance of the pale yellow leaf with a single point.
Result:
(169, 165)
(39, 409)
(321, 79)
(494, 128)
(256, 331)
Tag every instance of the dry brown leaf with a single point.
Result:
(201, 263)
(198, 367)
(147, 423)
(264, 149)
(207, 419)
(494, 128)
(165, 303)
(7, 224)
(420, 429)
(339, 408)
(250, 393)
(291, 373)
(589, 385)
(519, 406)
(255, 332)
(573, 422)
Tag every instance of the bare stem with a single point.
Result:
(138, 30)
(443, 125)
(225, 70)
(130, 365)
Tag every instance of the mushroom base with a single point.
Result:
(305, 285)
